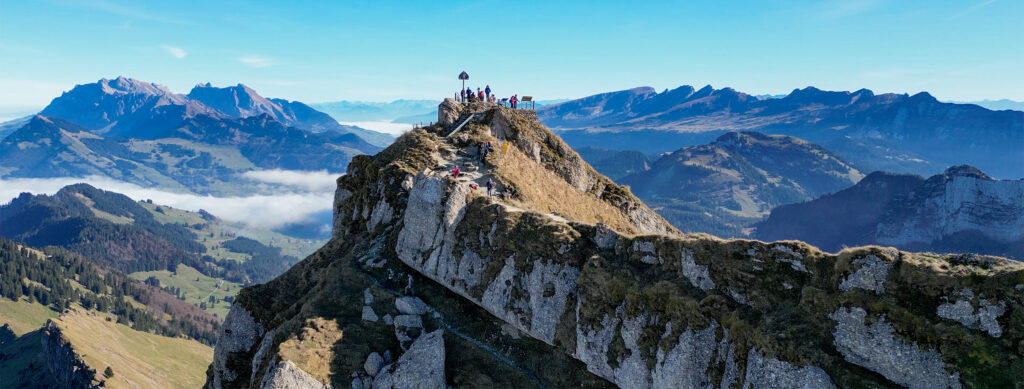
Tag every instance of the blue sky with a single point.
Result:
(384, 50)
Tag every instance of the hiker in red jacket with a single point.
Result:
(455, 172)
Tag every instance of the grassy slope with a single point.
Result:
(212, 234)
(138, 359)
(196, 292)
(224, 231)
(23, 316)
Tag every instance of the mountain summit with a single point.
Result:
(560, 278)
(853, 124)
(131, 108)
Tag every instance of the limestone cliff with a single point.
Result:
(564, 279)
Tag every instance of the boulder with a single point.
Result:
(422, 367)
(410, 305)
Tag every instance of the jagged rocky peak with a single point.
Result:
(562, 278)
(966, 171)
(238, 101)
(125, 85)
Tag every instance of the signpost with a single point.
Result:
(463, 76)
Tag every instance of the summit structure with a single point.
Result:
(565, 279)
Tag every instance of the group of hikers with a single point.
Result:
(467, 96)
(483, 149)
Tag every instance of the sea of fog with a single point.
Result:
(392, 128)
(299, 196)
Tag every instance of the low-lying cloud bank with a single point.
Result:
(392, 128)
(312, 181)
(307, 193)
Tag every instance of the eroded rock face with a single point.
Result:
(876, 348)
(232, 367)
(983, 318)
(697, 274)
(286, 375)
(64, 366)
(870, 275)
(684, 365)
(774, 374)
(421, 367)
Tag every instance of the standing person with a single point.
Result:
(487, 91)
(490, 187)
(513, 101)
(479, 94)
(455, 172)
(469, 94)
(462, 96)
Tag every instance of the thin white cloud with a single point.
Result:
(256, 61)
(382, 126)
(973, 8)
(177, 52)
(313, 181)
(257, 211)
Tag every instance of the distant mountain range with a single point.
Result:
(369, 111)
(203, 154)
(142, 133)
(997, 105)
(962, 210)
(926, 134)
(398, 111)
(722, 187)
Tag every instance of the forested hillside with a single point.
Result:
(59, 279)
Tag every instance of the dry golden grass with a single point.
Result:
(313, 348)
(542, 190)
(139, 359)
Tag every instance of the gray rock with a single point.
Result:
(772, 373)
(697, 274)
(388, 320)
(357, 383)
(369, 314)
(870, 275)
(239, 334)
(604, 237)
(367, 297)
(373, 363)
(261, 352)
(407, 329)
(448, 112)
(876, 348)
(421, 367)
(408, 321)
(685, 365)
(983, 318)
(408, 305)
(644, 247)
(382, 213)
(287, 375)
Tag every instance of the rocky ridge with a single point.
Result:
(962, 211)
(566, 279)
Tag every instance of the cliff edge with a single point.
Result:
(564, 279)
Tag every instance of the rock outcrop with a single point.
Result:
(63, 365)
(960, 211)
(566, 279)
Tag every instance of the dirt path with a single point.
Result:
(472, 170)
